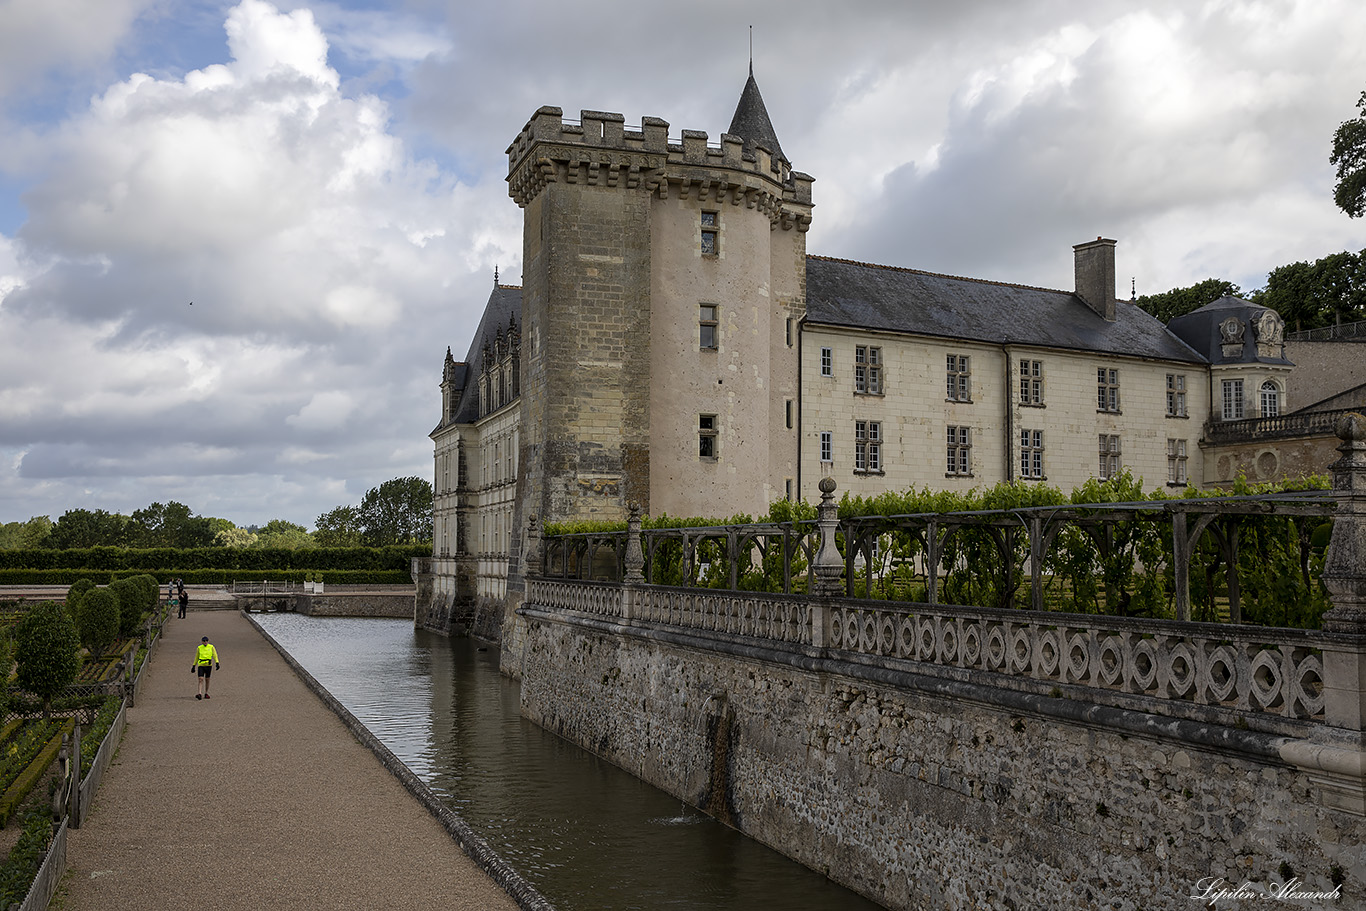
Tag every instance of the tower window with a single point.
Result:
(706, 436)
(710, 235)
(1271, 399)
(707, 326)
(1233, 400)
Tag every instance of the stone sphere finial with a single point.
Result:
(827, 487)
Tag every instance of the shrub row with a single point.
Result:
(165, 560)
(209, 576)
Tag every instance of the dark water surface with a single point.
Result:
(588, 835)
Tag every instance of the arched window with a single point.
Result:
(1271, 399)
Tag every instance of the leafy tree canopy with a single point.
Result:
(1349, 155)
(282, 534)
(90, 528)
(1326, 292)
(397, 512)
(34, 533)
(339, 527)
(1180, 301)
(48, 650)
(170, 525)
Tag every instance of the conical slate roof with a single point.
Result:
(751, 121)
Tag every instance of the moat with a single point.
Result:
(588, 835)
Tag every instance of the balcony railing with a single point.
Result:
(1317, 423)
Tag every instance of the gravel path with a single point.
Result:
(256, 799)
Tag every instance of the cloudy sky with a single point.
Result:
(324, 181)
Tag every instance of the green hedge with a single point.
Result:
(210, 576)
(163, 562)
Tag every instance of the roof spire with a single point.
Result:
(751, 121)
(751, 52)
(495, 275)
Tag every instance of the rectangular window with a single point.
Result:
(827, 446)
(1031, 454)
(1107, 389)
(959, 378)
(1176, 462)
(710, 236)
(789, 332)
(1176, 395)
(1233, 400)
(868, 370)
(706, 436)
(827, 362)
(1271, 399)
(787, 406)
(868, 446)
(959, 451)
(787, 487)
(1031, 382)
(1109, 456)
(707, 326)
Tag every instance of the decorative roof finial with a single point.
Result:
(751, 50)
(1133, 289)
(495, 275)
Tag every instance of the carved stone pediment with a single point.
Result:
(1231, 331)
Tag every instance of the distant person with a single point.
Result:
(184, 602)
(205, 662)
(170, 590)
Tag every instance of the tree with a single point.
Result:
(1325, 292)
(233, 537)
(397, 512)
(97, 615)
(282, 534)
(170, 525)
(48, 651)
(80, 528)
(1349, 155)
(1180, 301)
(76, 592)
(30, 535)
(339, 527)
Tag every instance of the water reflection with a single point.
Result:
(589, 836)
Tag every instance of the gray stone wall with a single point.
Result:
(359, 604)
(932, 794)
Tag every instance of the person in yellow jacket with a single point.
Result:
(205, 661)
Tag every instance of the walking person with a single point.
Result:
(184, 602)
(205, 661)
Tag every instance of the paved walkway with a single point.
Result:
(257, 799)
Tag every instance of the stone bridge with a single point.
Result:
(936, 756)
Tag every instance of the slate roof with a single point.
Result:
(505, 304)
(1200, 330)
(751, 121)
(857, 295)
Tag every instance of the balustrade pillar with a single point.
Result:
(635, 564)
(1344, 575)
(827, 566)
(533, 561)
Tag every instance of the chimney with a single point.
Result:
(1096, 275)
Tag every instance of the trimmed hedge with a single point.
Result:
(165, 562)
(210, 576)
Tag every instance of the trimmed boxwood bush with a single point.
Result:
(48, 650)
(212, 576)
(97, 615)
(77, 589)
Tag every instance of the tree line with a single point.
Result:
(398, 511)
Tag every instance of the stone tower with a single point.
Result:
(662, 287)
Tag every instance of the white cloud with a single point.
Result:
(324, 411)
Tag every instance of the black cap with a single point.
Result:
(205, 639)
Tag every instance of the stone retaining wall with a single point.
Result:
(355, 604)
(927, 793)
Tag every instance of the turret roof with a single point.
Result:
(751, 121)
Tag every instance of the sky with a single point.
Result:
(236, 238)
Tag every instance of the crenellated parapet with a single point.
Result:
(601, 151)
